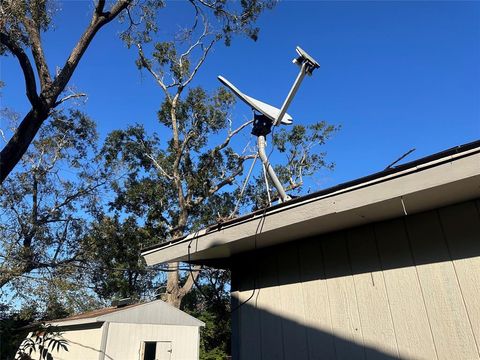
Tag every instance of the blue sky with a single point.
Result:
(394, 75)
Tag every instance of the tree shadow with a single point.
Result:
(382, 284)
(289, 339)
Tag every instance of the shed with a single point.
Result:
(382, 267)
(148, 331)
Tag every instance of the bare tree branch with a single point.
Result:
(37, 52)
(230, 135)
(200, 62)
(99, 8)
(41, 106)
(225, 143)
(99, 19)
(226, 181)
(159, 167)
(30, 83)
(68, 97)
(146, 64)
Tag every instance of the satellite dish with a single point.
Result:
(270, 116)
(268, 110)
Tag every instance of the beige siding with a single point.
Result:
(446, 311)
(83, 344)
(318, 321)
(125, 340)
(407, 307)
(462, 232)
(373, 305)
(342, 299)
(248, 318)
(269, 299)
(406, 288)
(291, 304)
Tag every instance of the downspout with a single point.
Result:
(103, 344)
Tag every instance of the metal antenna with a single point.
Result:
(271, 116)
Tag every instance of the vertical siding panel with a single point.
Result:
(315, 297)
(375, 317)
(446, 311)
(461, 226)
(268, 306)
(291, 297)
(409, 315)
(343, 304)
(235, 315)
(248, 318)
(125, 341)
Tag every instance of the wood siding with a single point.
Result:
(82, 344)
(406, 288)
(125, 340)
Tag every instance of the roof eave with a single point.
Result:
(437, 181)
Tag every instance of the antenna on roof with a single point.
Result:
(271, 116)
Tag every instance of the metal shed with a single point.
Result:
(148, 331)
(382, 267)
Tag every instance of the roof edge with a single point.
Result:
(436, 159)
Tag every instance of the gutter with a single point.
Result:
(425, 163)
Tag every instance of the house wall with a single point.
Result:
(124, 341)
(83, 344)
(405, 288)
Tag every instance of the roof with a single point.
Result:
(437, 180)
(155, 312)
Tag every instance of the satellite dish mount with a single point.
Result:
(267, 116)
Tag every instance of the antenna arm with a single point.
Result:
(271, 173)
(291, 94)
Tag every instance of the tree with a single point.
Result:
(10, 338)
(42, 342)
(46, 206)
(41, 249)
(210, 303)
(114, 268)
(22, 23)
(183, 177)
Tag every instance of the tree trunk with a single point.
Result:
(174, 294)
(41, 105)
(18, 145)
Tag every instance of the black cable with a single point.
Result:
(195, 237)
(259, 230)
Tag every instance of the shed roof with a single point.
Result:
(437, 180)
(155, 312)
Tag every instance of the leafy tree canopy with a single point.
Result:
(23, 22)
(47, 205)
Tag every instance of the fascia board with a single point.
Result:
(423, 187)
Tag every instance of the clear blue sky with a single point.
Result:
(395, 75)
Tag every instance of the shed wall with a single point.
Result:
(83, 344)
(124, 341)
(405, 288)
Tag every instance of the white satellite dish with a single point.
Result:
(268, 110)
(271, 116)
